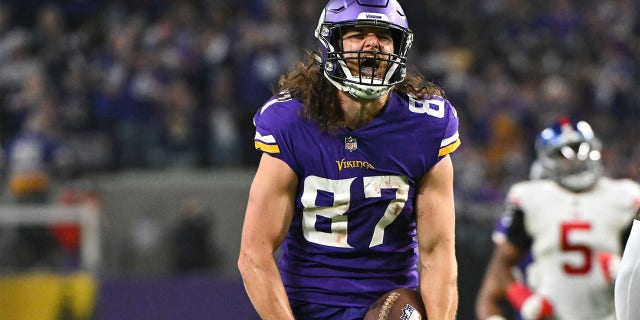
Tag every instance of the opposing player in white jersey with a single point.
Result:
(492, 292)
(627, 290)
(574, 224)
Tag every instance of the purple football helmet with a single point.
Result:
(570, 154)
(339, 16)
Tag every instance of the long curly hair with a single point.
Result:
(306, 83)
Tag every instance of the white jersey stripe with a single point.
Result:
(450, 140)
(265, 139)
(268, 104)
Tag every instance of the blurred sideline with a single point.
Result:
(135, 277)
(49, 296)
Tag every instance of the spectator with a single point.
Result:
(192, 250)
(111, 61)
(35, 159)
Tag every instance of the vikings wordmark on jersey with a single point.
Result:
(354, 212)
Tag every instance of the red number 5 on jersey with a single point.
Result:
(566, 228)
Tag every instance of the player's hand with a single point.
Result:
(531, 306)
(536, 307)
(609, 264)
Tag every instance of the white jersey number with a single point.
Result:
(432, 107)
(341, 200)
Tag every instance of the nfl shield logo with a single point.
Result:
(351, 144)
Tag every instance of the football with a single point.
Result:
(398, 304)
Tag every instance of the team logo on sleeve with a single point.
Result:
(351, 144)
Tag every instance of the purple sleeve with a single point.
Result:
(451, 139)
(273, 121)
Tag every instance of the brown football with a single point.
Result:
(398, 304)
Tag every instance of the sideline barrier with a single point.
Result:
(193, 298)
(86, 216)
(47, 296)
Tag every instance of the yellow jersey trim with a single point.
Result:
(448, 149)
(270, 148)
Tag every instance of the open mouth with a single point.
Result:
(368, 67)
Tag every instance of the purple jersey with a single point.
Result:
(352, 237)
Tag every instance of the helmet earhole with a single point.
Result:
(328, 66)
(325, 31)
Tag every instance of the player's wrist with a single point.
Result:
(517, 293)
(536, 307)
(529, 304)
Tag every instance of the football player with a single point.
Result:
(627, 287)
(574, 224)
(492, 293)
(355, 183)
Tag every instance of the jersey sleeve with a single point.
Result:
(516, 233)
(451, 140)
(628, 193)
(515, 230)
(633, 189)
(273, 122)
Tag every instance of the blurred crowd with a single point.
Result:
(103, 86)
